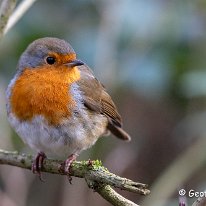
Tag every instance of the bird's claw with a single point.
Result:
(66, 166)
(37, 165)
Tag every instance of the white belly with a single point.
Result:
(71, 137)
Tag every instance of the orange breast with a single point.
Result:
(44, 91)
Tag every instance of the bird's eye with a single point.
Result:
(50, 60)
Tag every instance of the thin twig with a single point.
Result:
(201, 201)
(96, 176)
(6, 8)
(113, 197)
(181, 170)
(18, 13)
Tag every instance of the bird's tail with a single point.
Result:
(118, 132)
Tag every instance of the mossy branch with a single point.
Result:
(96, 176)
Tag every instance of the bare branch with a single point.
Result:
(6, 8)
(113, 197)
(18, 13)
(201, 201)
(96, 176)
(183, 161)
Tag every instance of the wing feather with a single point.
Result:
(98, 100)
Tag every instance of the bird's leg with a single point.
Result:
(37, 164)
(68, 162)
(67, 166)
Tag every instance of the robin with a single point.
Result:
(56, 105)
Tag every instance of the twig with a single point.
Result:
(201, 201)
(96, 176)
(113, 197)
(181, 166)
(18, 13)
(6, 8)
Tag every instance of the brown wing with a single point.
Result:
(109, 109)
(98, 100)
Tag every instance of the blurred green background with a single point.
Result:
(151, 56)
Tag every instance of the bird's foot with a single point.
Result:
(66, 166)
(37, 164)
(68, 162)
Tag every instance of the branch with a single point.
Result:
(6, 8)
(96, 176)
(201, 201)
(18, 13)
(183, 161)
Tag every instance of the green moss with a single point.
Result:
(97, 164)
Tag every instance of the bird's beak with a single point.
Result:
(75, 63)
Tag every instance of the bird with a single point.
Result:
(56, 105)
